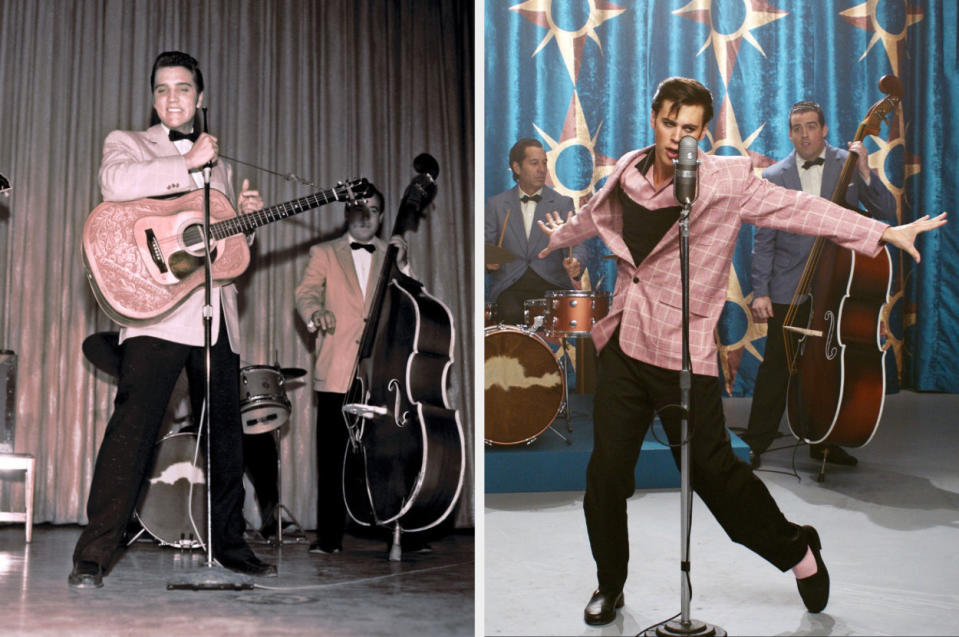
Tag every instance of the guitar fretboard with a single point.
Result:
(253, 220)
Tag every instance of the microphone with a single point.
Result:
(207, 167)
(686, 171)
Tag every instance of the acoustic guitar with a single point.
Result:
(143, 258)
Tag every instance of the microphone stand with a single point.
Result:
(214, 577)
(685, 627)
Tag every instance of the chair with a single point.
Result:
(26, 463)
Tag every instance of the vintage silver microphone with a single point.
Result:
(686, 190)
(686, 171)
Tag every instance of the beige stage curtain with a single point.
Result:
(325, 89)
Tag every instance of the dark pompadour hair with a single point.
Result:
(683, 91)
(806, 107)
(177, 58)
(518, 152)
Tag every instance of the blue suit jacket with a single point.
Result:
(514, 240)
(779, 256)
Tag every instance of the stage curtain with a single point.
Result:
(328, 91)
(580, 77)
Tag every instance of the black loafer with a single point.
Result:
(601, 608)
(86, 575)
(319, 549)
(814, 589)
(248, 565)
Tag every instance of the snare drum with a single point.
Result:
(263, 402)
(523, 385)
(574, 312)
(534, 314)
(176, 490)
(489, 314)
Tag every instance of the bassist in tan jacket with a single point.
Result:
(333, 299)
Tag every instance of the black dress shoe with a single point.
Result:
(814, 589)
(248, 565)
(836, 455)
(319, 549)
(601, 608)
(86, 575)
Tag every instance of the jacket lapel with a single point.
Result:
(515, 223)
(344, 256)
(791, 173)
(379, 256)
(831, 170)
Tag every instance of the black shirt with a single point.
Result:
(644, 228)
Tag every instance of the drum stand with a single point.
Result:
(213, 576)
(299, 536)
(569, 424)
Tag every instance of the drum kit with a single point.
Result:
(172, 505)
(525, 385)
(264, 406)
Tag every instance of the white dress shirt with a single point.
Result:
(529, 209)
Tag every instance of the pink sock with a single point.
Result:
(806, 566)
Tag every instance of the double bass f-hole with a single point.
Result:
(398, 420)
(830, 348)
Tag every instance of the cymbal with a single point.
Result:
(496, 254)
(293, 372)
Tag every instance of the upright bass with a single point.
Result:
(837, 371)
(405, 458)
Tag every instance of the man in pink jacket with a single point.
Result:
(640, 341)
(166, 160)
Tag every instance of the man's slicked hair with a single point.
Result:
(177, 58)
(806, 107)
(518, 153)
(683, 91)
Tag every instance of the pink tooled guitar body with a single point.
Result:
(144, 257)
(141, 260)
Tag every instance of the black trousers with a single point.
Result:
(629, 394)
(769, 394)
(331, 441)
(148, 372)
(260, 460)
(509, 303)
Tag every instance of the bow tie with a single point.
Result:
(177, 135)
(356, 245)
(535, 198)
(819, 161)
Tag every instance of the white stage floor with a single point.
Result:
(889, 527)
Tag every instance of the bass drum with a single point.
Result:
(523, 385)
(172, 505)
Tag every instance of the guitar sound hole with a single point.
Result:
(193, 240)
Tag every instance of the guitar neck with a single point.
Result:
(251, 221)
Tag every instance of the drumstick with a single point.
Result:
(503, 231)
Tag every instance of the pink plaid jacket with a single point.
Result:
(647, 301)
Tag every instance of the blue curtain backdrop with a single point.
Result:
(579, 75)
